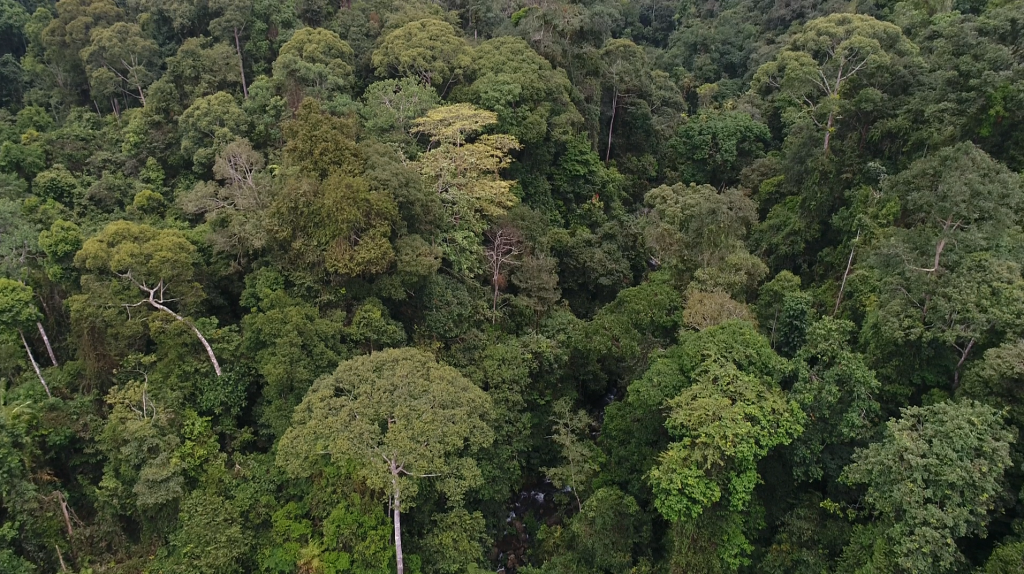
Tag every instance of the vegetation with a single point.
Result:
(569, 287)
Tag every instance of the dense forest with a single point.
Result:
(526, 286)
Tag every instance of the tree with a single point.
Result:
(502, 253)
(532, 99)
(580, 457)
(314, 62)
(946, 275)
(536, 277)
(159, 263)
(838, 392)
(208, 125)
(64, 37)
(341, 224)
(723, 425)
(200, 68)
(829, 60)
(689, 227)
(233, 19)
(715, 145)
(17, 312)
(430, 50)
(932, 480)
(13, 18)
(121, 59)
(402, 418)
(320, 144)
(466, 175)
(239, 207)
(390, 106)
(628, 74)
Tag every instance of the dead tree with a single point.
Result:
(501, 253)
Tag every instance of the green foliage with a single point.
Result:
(692, 227)
(314, 62)
(837, 391)
(208, 125)
(393, 409)
(210, 539)
(455, 542)
(429, 50)
(580, 458)
(17, 310)
(715, 146)
(390, 106)
(663, 269)
(724, 424)
(933, 478)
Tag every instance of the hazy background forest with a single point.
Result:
(541, 287)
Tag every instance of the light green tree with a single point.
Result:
(209, 124)
(401, 418)
(581, 458)
(390, 106)
(314, 62)
(430, 50)
(466, 175)
(121, 59)
(697, 231)
(239, 206)
(723, 425)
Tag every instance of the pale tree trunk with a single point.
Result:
(49, 349)
(611, 125)
(202, 339)
(34, 364)
(846, 274)
(828, 130)
(397, 500)
(241, 64)
(158, 304)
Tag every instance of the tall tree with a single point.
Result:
(234, 17)
(121, 59)
(430, 50)
(158, 263)
(932, 480)
(314, 62)
(627, 74)
(17, 313)
(828, 61)
(402, 418)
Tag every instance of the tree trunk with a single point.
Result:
(494, 300)
(963, 357)
(611, 125)
(241, 64)
(34, 364)
(828, 130)
(202, 339)
(397, 499)
(46, 340)
(846, 274)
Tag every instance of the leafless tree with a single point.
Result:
(505, 246)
